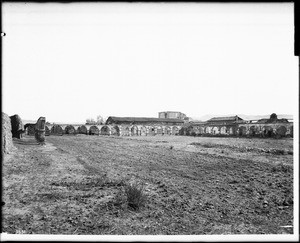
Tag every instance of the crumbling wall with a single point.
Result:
(94, 130)
(40, 130)
(7, 143)
(70, 129)
(30, 128)
(82, 129)
(105, 130)
(17, 126)
(57, 130)
(47, 131)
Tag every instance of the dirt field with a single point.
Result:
(193, 185)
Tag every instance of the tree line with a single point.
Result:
(100, 120)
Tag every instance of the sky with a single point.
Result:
(70, 62)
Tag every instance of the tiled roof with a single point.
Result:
(265, 120)
(142, 119)
(227, 118)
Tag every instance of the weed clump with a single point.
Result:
(131, 197)
(136, 197)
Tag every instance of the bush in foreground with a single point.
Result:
(132, 197)
(135, 194)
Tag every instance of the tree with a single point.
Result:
(90, 121)
(100, 120)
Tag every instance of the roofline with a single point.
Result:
(171, 111)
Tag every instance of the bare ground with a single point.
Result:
(194, 185)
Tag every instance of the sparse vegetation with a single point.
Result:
(282, 168)
(138, 185)
(136, 197)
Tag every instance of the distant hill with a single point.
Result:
(243, 116)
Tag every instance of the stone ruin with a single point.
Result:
(17, 127)
(30, 128)
(7, 143)
(40, 130)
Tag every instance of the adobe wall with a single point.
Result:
(279, 129)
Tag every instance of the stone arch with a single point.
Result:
(175, 130)
(115, 130)
(143, 131)
(134, 131)
(69, 129)
(201, 130)
(242, 131)
(151, 131)
(94, 130)
(252, 131)
(207, 129)
(159, 130)
(82, 129)
(30, 129)
(267, 131)
(223, 130)
(47, 131)
(126, 131)
(105, 130)
(168, 130)
(215, 130)
(57, 130)
(281, 131)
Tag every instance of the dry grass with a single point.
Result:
(109, 185)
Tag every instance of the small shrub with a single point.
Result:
(136, 197)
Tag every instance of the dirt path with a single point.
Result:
(70, 185)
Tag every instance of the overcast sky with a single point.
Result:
(69, 62)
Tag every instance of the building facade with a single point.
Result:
(236, 126)
(147, 126)
(144, 126)
(172, 115)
